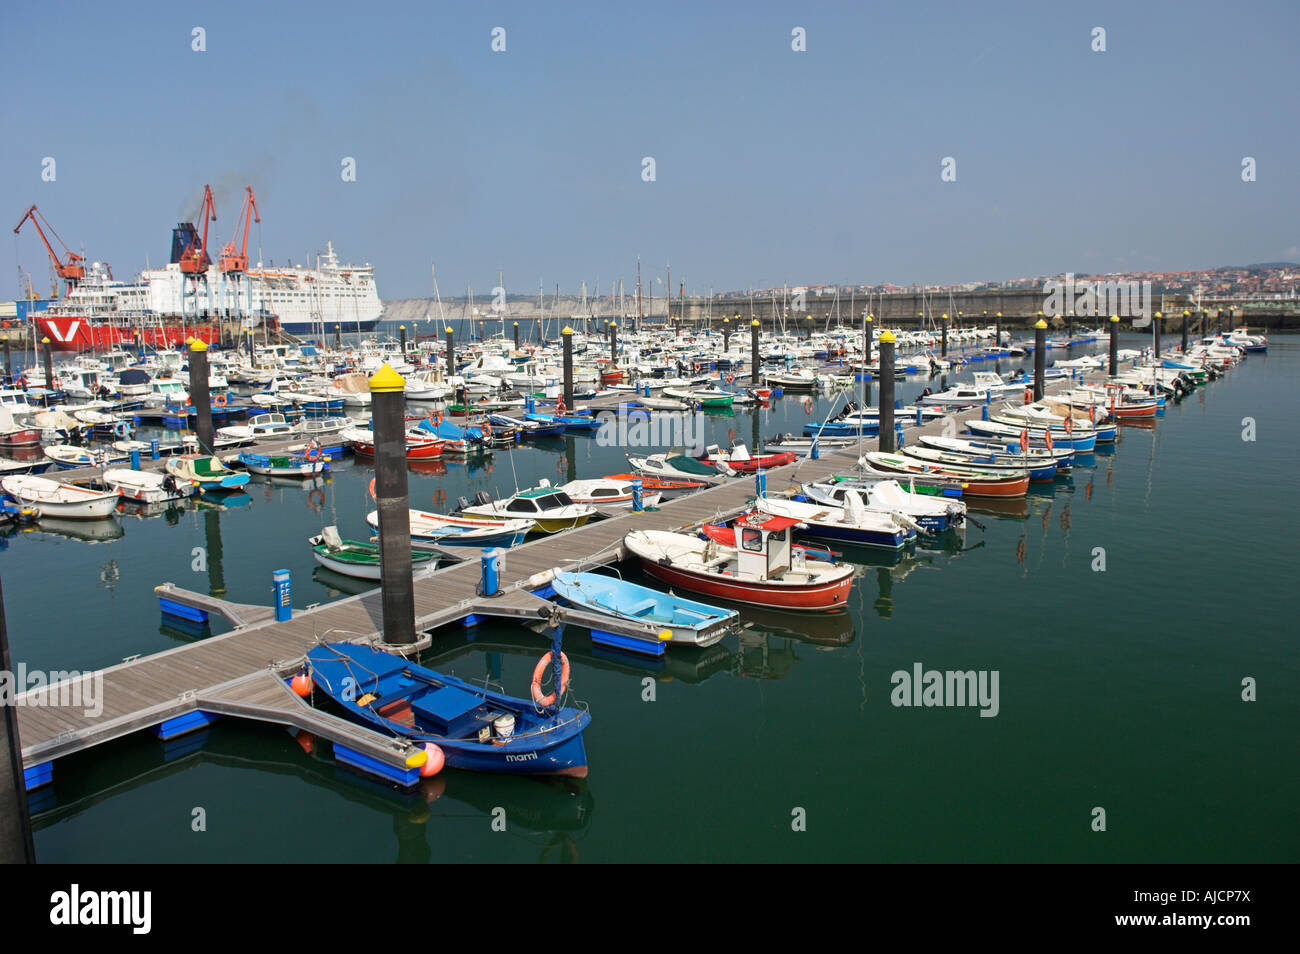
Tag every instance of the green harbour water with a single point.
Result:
(1119, 689)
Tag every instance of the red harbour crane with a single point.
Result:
(195, 260)
(233, 261)
(71, 267)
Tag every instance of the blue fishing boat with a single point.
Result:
(527, 428)
(689, 622)
(568, 422)
(476, 729)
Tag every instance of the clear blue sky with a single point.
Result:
(772, 166)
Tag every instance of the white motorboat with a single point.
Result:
(550, 507)
(147, 487)
(607, 494)
(56, 499)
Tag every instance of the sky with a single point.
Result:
(771, 165)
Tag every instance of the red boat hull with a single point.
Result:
(428, 451)
(71, 333)
(817, 598)
(27, 437)
(767, 462)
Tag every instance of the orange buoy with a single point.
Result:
(539, 670)
(435, 761)
(301, 684)
(1029, 395)
(306, 741)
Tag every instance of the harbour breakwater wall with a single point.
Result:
(1020, 310)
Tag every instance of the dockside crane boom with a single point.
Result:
(233, 260)
(71, 267)
(195, 260)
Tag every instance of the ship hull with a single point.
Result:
(77, 334)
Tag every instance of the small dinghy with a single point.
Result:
(68, 457)
(764, 570)
(476, 729)
(148, 487)
(208, 473)
(309, 463)
(357, 559)
(740, 460)
(691, 623)
(54, 498)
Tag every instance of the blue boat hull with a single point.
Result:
(854, 535)
(358, 679)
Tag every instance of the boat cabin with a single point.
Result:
(763, 545)
(531, 503)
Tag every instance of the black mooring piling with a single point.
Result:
(1114, 345)
(753, 352)
(567, 337)
(451, 353)
(1040, 357)
(387, 417)
(16, 844)
(200, 396)
(886, 415)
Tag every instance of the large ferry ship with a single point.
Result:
(165, 306)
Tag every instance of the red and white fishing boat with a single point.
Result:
(420, 445)
(764, 570)
(740, 460)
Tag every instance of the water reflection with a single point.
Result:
(552, 813)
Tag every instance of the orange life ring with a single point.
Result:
(808, 404)
(1069, 423)
(220, 401)
(313, 452)
(540, 669)
(372, 490)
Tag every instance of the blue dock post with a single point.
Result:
(135, 458)
(815, 453)
(919, 419)
(155, 449)
(760, 482)
(557, 659)
(529, 404)
(283, 595)
(638, 503)
(491, 565)
(984, 411)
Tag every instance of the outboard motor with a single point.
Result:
(462, 503)
(482, 498)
